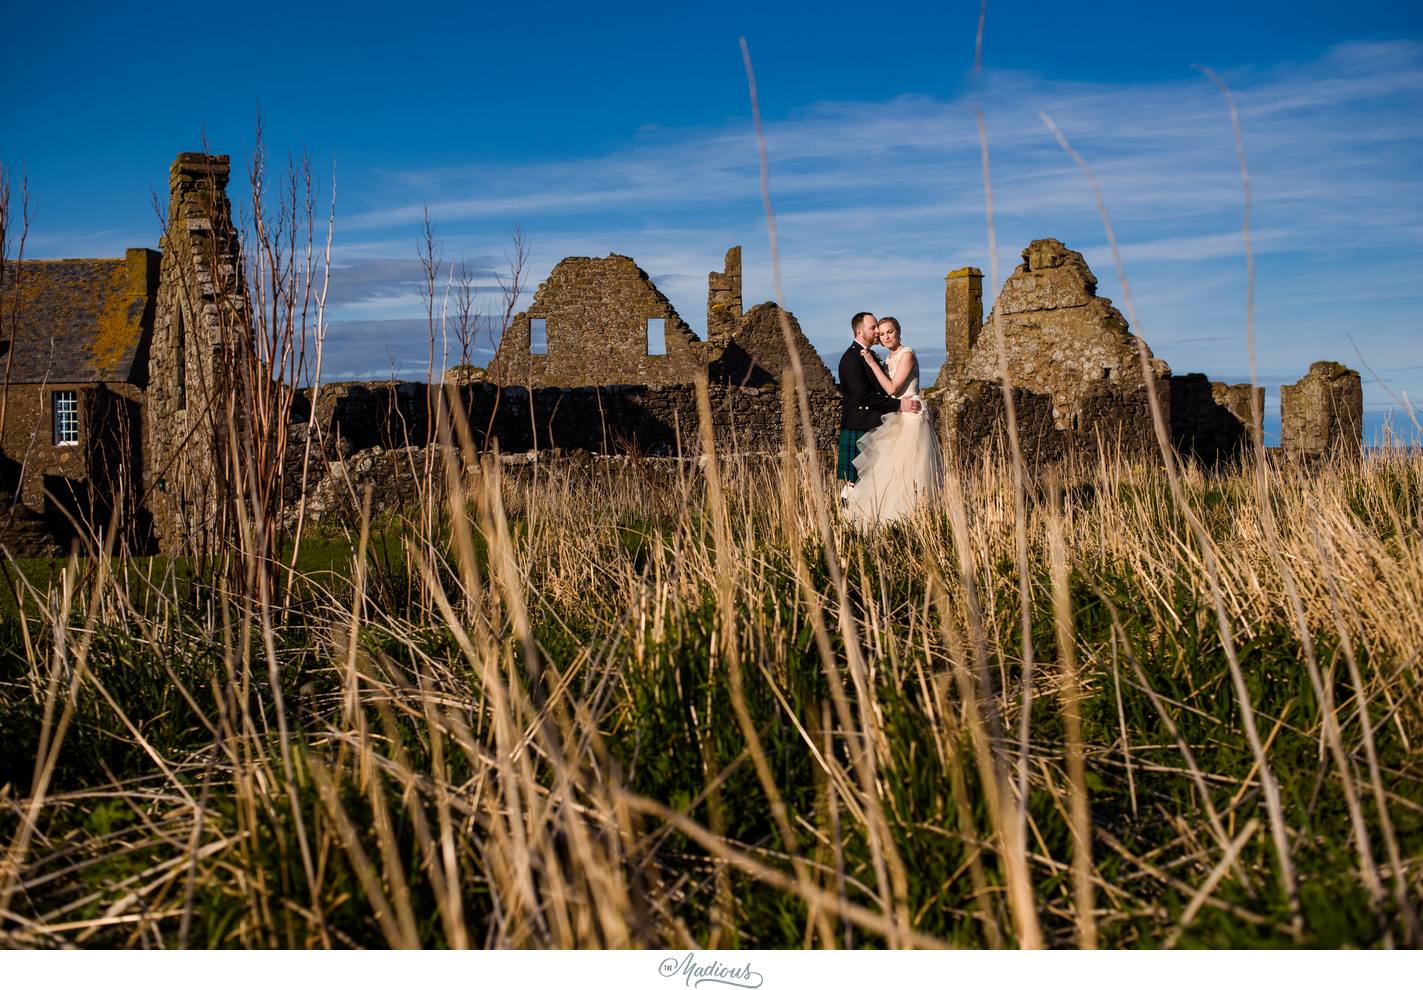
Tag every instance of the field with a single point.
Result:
(657, 704)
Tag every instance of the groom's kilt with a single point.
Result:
(849, 450)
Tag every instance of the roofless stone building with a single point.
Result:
(602, 321)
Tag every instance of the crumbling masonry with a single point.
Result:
(198, 322)
(1067, 346)
(602, 321)
(1323, 412)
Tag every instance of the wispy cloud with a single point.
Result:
(877, 200)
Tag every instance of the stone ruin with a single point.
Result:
(598, 321)
(1058, 333)
(1062, 341)
(751, 346)
(602, 321)
(1323, 412)
(601, 362)
(198, 323)
(1080, 381)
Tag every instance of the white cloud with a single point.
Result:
(876, 200)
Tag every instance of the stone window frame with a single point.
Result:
(64, 416)
(543, 352)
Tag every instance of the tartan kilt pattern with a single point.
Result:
(849, 450)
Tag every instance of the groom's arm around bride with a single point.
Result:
(865, 402)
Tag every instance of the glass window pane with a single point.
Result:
(66, 418)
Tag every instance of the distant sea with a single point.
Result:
(1386, 427)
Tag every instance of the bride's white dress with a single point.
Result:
(899, 462)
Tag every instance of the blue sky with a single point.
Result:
(627, 129)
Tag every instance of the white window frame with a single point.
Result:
(64, 407)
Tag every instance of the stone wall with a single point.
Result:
(92, 482)
(336, 485)
(972, 422)
(648, 420)
(24, 532)
(596, 312)
(661, 420)
(37, 463)
(1117, 419)
(1211, 421)
(1323, 412)
(377, 432)
(198, 317)
(370, 414)
(1062, 340)
(755, 354)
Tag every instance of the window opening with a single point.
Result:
(656, 336)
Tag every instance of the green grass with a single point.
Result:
(439, 739)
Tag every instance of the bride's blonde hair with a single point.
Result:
(892, 322)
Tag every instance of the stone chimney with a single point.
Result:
(1323, 412)
(963, 317)
(724, 299)
(198, 321)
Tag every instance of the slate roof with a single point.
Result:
(78, 320)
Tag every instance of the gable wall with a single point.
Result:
(596, 311)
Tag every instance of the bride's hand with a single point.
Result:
(869, 357)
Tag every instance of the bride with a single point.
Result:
(899, 461)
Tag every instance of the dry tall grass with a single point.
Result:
(634, 720)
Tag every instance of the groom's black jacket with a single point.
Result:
(865, 400)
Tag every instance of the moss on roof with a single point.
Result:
(76, 320)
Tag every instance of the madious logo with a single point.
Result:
(695, 975)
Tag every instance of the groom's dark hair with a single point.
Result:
(856, 320)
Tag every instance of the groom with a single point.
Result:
(865, 401)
